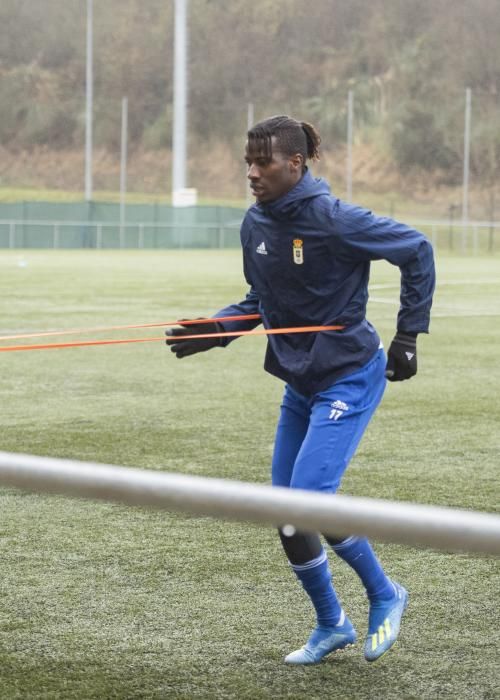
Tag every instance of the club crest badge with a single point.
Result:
(298, 251)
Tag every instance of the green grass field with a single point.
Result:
(104, 601)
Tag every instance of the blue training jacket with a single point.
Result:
(306, 257)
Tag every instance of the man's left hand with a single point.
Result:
(402, 357)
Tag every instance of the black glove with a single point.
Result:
(402, 357)
(184, 348)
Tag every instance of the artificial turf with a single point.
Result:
(104, 601)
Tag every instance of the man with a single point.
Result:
(306, 257)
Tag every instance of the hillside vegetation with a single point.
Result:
(408, 65)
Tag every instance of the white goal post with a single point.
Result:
(338, 515)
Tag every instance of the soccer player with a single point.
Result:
(306, 257)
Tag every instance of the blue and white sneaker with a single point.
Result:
(383, 623)
(323, 641)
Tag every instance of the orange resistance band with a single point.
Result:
(233, 334)
(247, 317)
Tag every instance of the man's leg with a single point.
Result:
(388, 599)
(339, 418)
(305, 553)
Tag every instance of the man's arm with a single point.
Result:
(185, 348)
(247, 307)
(367, 237)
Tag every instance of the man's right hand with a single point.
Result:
(184, 348)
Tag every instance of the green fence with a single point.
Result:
(99, 225)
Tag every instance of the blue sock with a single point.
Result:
(358, 553)
(316, 580)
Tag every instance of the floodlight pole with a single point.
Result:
(465, 189)
(349, 145)
(123, 170)
(180, 98)
(89, 103)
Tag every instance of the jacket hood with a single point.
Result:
(290, 204)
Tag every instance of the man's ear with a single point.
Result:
(296, 163)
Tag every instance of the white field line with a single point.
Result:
(380, 300)
(449, 310)
(467, 314)
(441, 283)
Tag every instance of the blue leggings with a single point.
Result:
(317, 437)
(315, 441)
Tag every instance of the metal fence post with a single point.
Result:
(12, 234)
(491, 234)
(141, 236)
(56, 235)
(98, 242)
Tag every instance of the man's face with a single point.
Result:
(270, 178)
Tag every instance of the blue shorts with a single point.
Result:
(316, 437)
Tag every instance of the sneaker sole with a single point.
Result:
(330, 653)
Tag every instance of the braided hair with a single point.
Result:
(291, 137)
